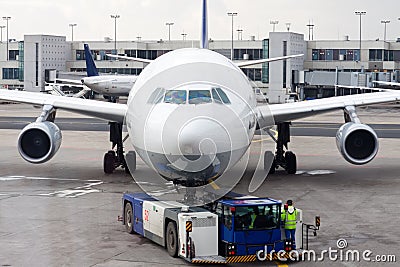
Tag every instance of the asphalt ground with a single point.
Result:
(64, 212)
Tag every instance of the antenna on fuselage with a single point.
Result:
(204, 27)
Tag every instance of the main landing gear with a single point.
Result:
(286, 160)
(115, 158)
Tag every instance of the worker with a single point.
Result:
(289, 218)
(253, 216)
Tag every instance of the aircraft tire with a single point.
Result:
(109, 162)
(291, 162)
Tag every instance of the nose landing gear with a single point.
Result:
(287, 160)
(115, 158)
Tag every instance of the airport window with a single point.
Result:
(396, 55)
(130, 53)
(225, 52)
(357, 55)
(375, 54)
(342, 54)
(321, 54)
(141, 53)
(349, 55)
(175, 97)
(13, 54)
(10, 73)
(315, 53)
(80, 55)
(329, 54)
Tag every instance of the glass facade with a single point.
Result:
(335, 54)
(10, 74)
(265, 66)
(21, 61)
(384, 55)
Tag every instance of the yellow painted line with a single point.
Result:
(214, 185)
(279, 264)
(261, 140)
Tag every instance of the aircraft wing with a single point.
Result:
(297, 110)
(143, 60)
(98, 109)
(267, 60)
(387, 83)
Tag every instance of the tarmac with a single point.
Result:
(64, 212)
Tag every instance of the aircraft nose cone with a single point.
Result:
(202, 136)
(199, 142)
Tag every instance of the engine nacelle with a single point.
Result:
(39, 141)
(358, 143)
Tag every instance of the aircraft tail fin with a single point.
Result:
(204, 27)
(90, 65)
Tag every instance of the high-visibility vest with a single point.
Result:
(289, 219)
(253, 218)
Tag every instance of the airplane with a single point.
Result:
(192, 114)
(107, 85)
(387, 83)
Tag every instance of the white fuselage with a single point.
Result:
(190, 114)
(110, 85)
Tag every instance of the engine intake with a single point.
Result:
(358, 143)
(38, 142)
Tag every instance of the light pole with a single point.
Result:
(139, 38)
(184, 36)
(72, 25)
(232, 15)
(288, 24)
(7, 19)
(115, 17)
(2, 27)
(310, 31)
(169, 24)
(274, 23)
(240, 34)
(360, 13)
(384, 34)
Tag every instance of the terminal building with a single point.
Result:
(29, 64)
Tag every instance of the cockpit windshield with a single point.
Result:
(201, 96)
(256, 217)
(175, 97)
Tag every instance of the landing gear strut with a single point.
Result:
(286, 160)
(115, 158)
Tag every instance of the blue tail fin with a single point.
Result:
(204, 27)
(90, 66)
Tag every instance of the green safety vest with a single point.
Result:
(289, 219)
(253, 218)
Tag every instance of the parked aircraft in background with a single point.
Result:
(192, 114)
(107, 85)
(395, 84)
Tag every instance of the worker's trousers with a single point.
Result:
(291, 234)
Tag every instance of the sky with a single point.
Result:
(333, 19)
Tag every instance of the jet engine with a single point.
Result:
(39, 141)
(358, 143)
